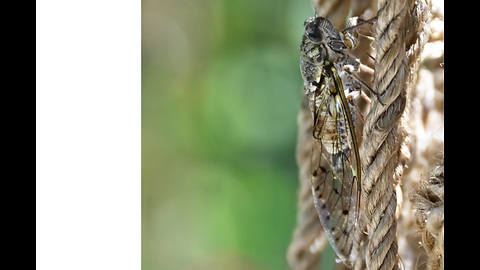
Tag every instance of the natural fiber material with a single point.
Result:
(428, 201)
(381, 153)
(425, 117)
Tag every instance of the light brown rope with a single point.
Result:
(428, 201)
(336, 11)
(385, 152)
(417, 36)
(383, 136)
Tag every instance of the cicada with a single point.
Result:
(327, 69)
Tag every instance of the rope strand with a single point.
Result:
(381, 152)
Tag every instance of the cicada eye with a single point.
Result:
(314, 34)
(311, 29)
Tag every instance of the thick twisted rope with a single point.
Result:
(385, 144)
(416, 39)
(383, 136)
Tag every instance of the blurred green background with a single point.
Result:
(221, 89)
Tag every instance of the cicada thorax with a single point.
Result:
(322, 44)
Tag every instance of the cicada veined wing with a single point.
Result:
(326, 69)
(335, 167)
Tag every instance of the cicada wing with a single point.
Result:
(335, 170)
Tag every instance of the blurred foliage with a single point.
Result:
(221, 89)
